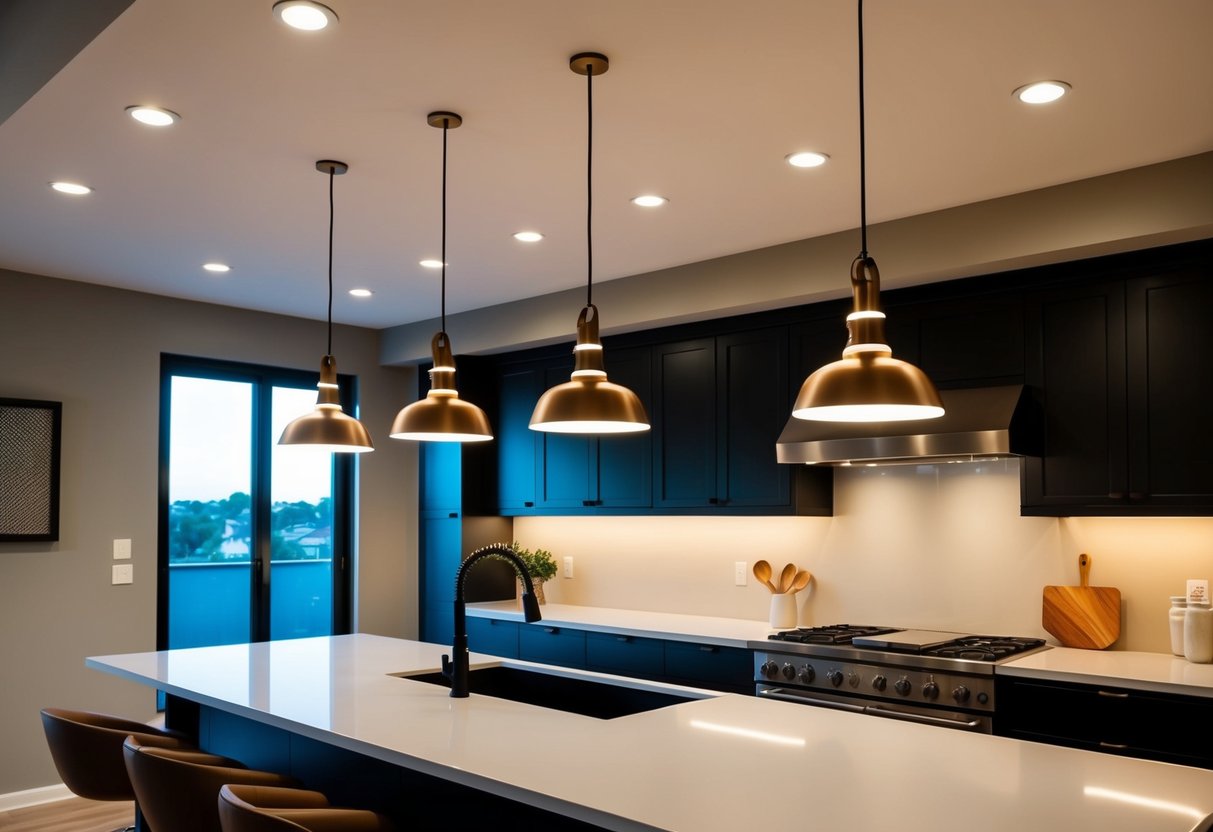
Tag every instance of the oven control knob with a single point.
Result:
(835, 677)
(930, 690)
(983, 698)
(788, 671)
(961, 694)
(807, 674)
(853, 679)
(879, 682)
(902, 686)
(769, 669)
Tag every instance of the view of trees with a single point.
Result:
(220, 531)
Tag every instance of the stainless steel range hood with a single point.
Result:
(978, 423)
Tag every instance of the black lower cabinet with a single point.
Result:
(711, 666)
(1132, 723)
(625, 655)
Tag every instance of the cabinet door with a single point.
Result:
(551, 645)
(753, 406)
(625, 461)
(710, 666)
(684, 426)
(493, 636)
(520, 386)
(1076, 345)
(568, 462)
(441, 537)
(971, 341)
(441, 476)
(625, 655)
(1170, 397)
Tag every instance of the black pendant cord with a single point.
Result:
(589, 187)
(331, 175)
(863, 173)
(446, 125)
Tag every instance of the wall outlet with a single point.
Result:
(122, 549)
(740, 573)
(124, 573)
(568, 566)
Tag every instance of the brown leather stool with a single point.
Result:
(178, 788)
(268, 809)
(87, 750)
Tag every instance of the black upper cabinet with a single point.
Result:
(625, 461)
(753, 407)
(684, 423)
(1126, 418)
(519, 388)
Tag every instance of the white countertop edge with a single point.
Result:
(698, 629)
(1125, 669)
(556, 805)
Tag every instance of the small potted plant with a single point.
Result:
(539, 563)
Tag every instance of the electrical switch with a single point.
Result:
(122, 549)
(124, 573)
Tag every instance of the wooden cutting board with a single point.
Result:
(1082, 616)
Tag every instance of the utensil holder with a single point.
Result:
(784, 614)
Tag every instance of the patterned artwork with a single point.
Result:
(29, 470)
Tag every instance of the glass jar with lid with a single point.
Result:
(1179, 604)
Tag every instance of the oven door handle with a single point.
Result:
(923, 718)
(804, 699)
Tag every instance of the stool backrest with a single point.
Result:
(86, 748)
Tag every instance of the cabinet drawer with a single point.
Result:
(489, 635)
(551, 645)
(625, 655)
(710, 665)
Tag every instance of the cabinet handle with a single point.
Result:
(715, 501)
(453, 515)
(1116, 495)
(528, 504)
(1113, 695)
(1136, 496)
(708, 648)
(1117, 746)
(551, 630)
(623, 639)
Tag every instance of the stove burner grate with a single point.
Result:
(832, 634)
(984, 648)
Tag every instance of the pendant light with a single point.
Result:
(327, 427)
(588, 403)
(868, 384)
(442, 416)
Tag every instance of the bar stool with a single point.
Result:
(86, 748)
(178, 788)
(268, 809)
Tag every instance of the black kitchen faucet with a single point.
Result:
(457, 670)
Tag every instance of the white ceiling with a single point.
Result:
(703, 100)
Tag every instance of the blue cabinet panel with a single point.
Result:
(625, 655)
(710, 666)
(492, 636)
(551, 645)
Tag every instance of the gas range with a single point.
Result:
(930, 676)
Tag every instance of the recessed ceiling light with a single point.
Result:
(304, 14)
(217, 268)
(806, 159)
(431, 263)
(1042, 92)
(649, 200)
(152, 116)
(73, 188)
(361, 293)
(528, 236)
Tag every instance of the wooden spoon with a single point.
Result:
(762, 571)
(785, 577)
(801, 580)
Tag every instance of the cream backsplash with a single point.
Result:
(931, 546)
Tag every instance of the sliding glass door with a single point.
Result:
(254, 537)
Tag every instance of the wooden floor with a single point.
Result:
(73, 815)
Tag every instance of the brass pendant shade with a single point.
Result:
(588, 403)
(868, 384)
(328, 427)
(442, 416)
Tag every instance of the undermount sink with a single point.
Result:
(588, 697)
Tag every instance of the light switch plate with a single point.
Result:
(568, 566)
(122, 549)
(740, 575)
(124, 573)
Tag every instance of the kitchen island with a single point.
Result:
(329, 711)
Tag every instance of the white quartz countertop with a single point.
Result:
(702, 629)
(1157, 672)
(717, 764)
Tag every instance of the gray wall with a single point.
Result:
(98, 350)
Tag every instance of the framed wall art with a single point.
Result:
(30, 433)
